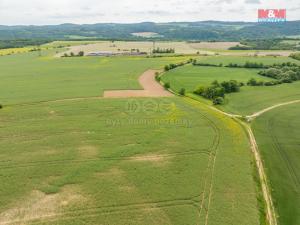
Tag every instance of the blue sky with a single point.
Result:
(40, 12)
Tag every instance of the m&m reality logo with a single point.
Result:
(271, 15)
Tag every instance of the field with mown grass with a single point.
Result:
(190, 77)
(109, 161)
(249, 99)
(278, 138)
(241, 60)
(31, 78)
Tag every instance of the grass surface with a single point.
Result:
(253, 99)
(190, 77)
(250, 99)
(93, 161)
(135, 161)
(278, 136)
(30, 78)
(240, 60)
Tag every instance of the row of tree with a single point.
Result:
(216, 91)
(80, 54)
(282, 73)
(163, 50)
(295, 56)
(175, 65)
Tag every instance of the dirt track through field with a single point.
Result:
(151, 88)
(254, 115)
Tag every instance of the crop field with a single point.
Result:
(190, 77)
(240, 60)
(146, 46)
(125, 46)
(10, 51)
(250, 99)
(48, 78)
(278, 139)
(85, 160)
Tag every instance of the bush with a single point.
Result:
(1, 106)
(157, 77)
(167, 85)
(182, 91)
(218, 101)
(81, 53)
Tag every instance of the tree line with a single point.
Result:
(216, 91)
(163, 50)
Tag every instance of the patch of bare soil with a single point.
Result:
(40, 206)
(155, 159)
(151, 88)
(88, 151)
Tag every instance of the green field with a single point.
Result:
(240, 60)
(190, 77)
(105, 161)
(30, 78)
(250, 99)
(278, 137)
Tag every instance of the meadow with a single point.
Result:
(43, 78)
(113, 161)
(190, 77)
(241, 60)
(277, 134)
(250, 99)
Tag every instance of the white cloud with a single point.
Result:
(126, 11)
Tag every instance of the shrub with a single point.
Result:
(182, 91)
(218, 101)
(167, 85)
(81, 53)
(157, 77)
(1, 106)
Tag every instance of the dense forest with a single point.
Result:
(188, 31)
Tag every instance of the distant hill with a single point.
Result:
(203, 31)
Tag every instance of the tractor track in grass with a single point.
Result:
(110, 210)
(129, 158)
(209, 173)
(285, 158)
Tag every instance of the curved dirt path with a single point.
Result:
(254, 115)
(151, 88)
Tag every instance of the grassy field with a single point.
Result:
(278, 136)
(240, 60)
(131, 161)
(190, 77)
(94, 161)
(46, 78)
(253, 99)
(10, 51)
(125, 46)
(249, 99)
